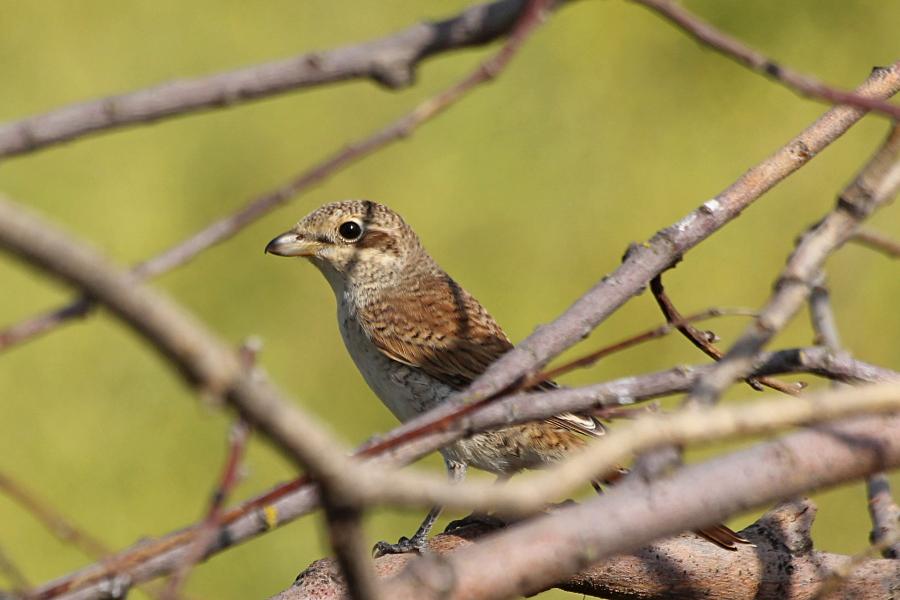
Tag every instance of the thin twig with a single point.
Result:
(592, 358)
(57, 524)
(238, 436)
(877, 241)
(702, 340)
(209, 528)
(390, 61)
(800, 83)
(13, 575)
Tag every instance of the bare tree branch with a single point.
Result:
(538, 553)
(390, 61)
(733, 48)
(209, 528)
(877, 241)
(781, 565)
(876, 185)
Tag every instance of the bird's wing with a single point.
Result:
(445, 331)
(439, 328)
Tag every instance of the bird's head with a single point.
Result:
(357, 241)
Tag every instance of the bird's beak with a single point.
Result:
(291, 244)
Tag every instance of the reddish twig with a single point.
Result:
(802, 84)
(208, 530)
(703, 341)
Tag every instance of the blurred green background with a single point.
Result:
(608, 126)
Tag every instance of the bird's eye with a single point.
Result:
(350, 230)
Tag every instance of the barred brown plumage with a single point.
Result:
(417, 337)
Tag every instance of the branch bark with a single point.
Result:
(390, 61)
(781, 565)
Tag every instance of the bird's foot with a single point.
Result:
(476, 519)
(404, 545)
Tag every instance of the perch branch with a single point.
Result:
(548, 549)
(780, 566)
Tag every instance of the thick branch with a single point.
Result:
(780, 566)
(390, 61)
(549, 549)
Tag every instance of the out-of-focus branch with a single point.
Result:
(290, 501)
(549, 549)
(876, 185)
(781, 565)
(885, 515)
(58, 525)
(228, 226)
(390, 61)
(800, 83)
(13, 576)
(877, 241)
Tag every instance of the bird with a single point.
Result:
(417, 337)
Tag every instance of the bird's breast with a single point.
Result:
(405, 390)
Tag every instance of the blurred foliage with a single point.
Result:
(608, 126)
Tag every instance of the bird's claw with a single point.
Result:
(404, 545)
(475, 519)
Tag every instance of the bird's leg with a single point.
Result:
(479, 518)
(456, 471)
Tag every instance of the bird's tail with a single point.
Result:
(720, 535)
